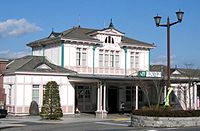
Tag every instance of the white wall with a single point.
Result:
(22, 89)
(53, 53)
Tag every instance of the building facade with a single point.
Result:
(25, 79)
(92, 51)
(186, 87)
(96, 70)
(105, 59)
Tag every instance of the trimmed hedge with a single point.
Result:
(167, 113)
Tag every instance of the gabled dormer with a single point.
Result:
(43, 66)
(176, 72)
(54, 34)
(108, 35)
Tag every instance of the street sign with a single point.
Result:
(149, 74)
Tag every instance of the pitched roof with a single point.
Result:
(129, 41)
(182, 72)
(79, 33)
(31, 64)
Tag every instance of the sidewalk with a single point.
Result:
(14, 121)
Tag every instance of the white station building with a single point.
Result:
(98, 67)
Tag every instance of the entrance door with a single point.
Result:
(112, 99)
(83, 98)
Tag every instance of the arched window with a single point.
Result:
(112, 40)
(109, 39)
(106, 40)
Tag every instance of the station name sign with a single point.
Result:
(149, 74)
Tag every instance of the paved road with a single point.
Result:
(78, 123)
(90, 126)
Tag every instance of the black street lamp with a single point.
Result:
(157, 21)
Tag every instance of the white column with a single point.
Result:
(100, 98)
(98, 94)
(195, 96)
(104, 99)
(136, 97)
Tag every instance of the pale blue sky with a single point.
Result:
(133, 17)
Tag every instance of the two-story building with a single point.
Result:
(106, 63)
(104, 59)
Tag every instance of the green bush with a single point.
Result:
(51, 108)
(167, 113)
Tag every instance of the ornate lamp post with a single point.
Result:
(157, 21)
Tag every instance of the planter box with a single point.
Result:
(164, 121)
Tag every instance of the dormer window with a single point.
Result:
(109, 39)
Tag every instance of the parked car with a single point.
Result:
(3, 113)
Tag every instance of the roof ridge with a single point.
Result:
(25, 63)
(70, 30)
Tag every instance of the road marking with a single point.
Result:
(161, 129)
(121, 119)
(109, 123)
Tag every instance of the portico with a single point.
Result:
(106, 93)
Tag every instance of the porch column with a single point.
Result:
(98, 99)
(104, 98)
(195, 95)
(101, 112)
(136, 97)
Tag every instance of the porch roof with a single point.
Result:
(114, 78)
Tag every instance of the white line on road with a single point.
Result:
(109, 123)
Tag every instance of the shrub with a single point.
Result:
(167, 113)
(51, 108)
(34, 110)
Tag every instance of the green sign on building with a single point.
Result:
(142, 73)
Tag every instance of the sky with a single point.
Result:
(23, 21)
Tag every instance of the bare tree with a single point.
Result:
(144, 87)
(159, 86)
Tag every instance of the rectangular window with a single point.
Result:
(109, 58)
(106, 59)
(130, 94)
(117, 59)
(137, 60)
(100, 58)
(35, 93)
(132, 60)
(84, 57)
(112, 58)
(81, 56)
(78, 56)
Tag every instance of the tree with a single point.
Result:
(51, 108)
(159, 85)
(155, 87)
(144, 87)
